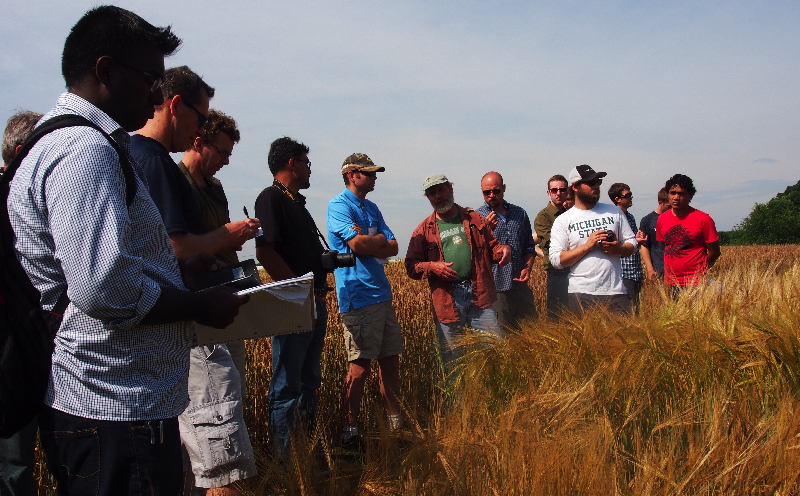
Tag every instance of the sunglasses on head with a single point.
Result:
(496, 191)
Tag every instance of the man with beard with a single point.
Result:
(689, 235)
(590, 239)
(511, 226)
(454, 249)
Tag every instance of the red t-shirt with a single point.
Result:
(685, 239)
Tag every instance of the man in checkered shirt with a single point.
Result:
(512, 227)
(120, 365)
(632, 273)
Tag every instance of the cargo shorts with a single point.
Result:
(372, 332)
(212, 427)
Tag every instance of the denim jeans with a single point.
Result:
(296, 375)
(483, 319)
(102, 457)
(17, 458)
(557, 291)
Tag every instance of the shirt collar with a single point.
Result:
(349, 195)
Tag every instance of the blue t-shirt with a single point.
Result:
(171, 192)
(366, 283)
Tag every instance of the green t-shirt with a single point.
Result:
(455, 246)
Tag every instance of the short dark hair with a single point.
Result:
(281, 150)
(557, 177)
(219, 123)
(186, 83)
(663, 195)
(685, 182)
(111, 31)
(616, 190)
(19, 127)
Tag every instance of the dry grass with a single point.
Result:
(695, 396)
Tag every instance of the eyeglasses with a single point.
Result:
(367, 173)
(222, 153)
(496, 191)
(306, 162)
(157, 80)
(593, 182)
(626, 195)
(558, 190)
(201, 119)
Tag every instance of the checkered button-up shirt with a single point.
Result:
(515, 231)
(73, 229)
(632, 265)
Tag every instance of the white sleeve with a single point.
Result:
(559, 241)
(626, 234)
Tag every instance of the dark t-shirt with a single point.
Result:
(288, 224)
(171, 192)
(656, 247)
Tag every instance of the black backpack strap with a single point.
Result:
(62, 121)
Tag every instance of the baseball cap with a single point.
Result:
(433, 180)
(584, 173)
(360, 162)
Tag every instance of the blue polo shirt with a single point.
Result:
(366, 283)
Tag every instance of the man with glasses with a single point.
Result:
(371, 330)
(290, 247)
(454, 250)
(89, 238)
(632, 273)
(590, 238)
(511, 226)
(207, 154)
(556, 278)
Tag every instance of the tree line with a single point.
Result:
(771, 223)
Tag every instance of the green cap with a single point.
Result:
(433, 180)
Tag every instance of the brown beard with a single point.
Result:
(589, 199)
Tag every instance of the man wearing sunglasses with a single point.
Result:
(371, 330)
(632, 273)
(590, 239)
(558, 192)
(511, 226)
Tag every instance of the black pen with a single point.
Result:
(245, 212)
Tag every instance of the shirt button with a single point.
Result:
(219, 418)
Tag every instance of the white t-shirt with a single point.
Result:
(597, 273)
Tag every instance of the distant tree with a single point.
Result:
(774, 222)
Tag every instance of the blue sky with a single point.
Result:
(641, 90)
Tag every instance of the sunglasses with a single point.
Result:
(367, 173)
(496, 191)
(626, 196)
(558, 190)
(593, 182)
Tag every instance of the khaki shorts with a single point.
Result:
(372, 332)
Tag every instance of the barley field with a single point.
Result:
(695, 396)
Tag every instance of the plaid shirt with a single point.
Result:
(515, 231)
(632, 265)
(73, 229)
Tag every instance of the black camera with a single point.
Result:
(332, 259)
(610, 237)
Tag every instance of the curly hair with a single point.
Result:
(615, 191)
(281, 150)
(685, 182)
(219, 123)
(110, 31)
(19, 127)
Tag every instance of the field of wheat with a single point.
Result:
(695, 396)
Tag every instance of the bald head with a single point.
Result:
(493, 189)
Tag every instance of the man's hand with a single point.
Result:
(652, 275)
(492, 220)
(219, 306)
(198, 264)
(506, 255)
(357, 229)
(611, 247)
(641, 237)
(442, 270)
(243, 230)
(524, 275)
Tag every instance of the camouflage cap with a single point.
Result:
(433, 180)
(360, 162)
